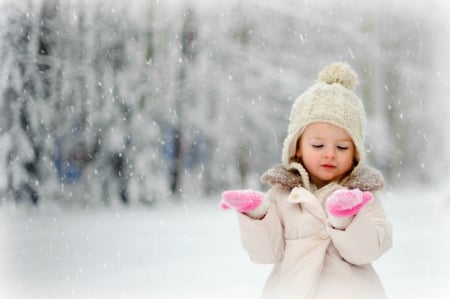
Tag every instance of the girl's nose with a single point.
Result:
(330, 153)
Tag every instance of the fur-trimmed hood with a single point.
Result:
(365, 178)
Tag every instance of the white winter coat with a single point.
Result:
(311, 259)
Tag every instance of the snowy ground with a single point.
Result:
(191, 249)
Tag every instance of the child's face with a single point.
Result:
(327, 152)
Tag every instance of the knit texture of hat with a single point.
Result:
(330, 100)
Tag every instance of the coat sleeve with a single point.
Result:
(263, 239)
(367, 237)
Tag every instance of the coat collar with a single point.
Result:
(365, 178)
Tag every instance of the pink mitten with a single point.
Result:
(241, 200)
(346, 203)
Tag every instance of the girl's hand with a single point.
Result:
(254, 204)
(343, 204)
(241, 200)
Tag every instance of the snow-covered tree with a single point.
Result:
(27, 46)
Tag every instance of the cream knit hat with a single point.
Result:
(330, 100)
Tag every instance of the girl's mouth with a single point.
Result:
(328, 166)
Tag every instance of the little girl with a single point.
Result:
(321, 223)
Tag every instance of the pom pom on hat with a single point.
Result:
(339, 72)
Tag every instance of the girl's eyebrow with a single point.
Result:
(321, 139)
(345, 140)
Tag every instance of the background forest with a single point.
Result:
(130, 101)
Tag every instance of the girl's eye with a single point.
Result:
(342, 148)
(317, 145)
